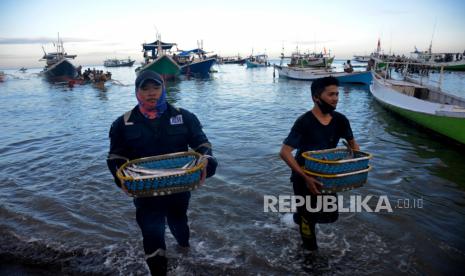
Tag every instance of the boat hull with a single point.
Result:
(198, 68)
(455, 67)
(240, 61)
(452, 127)
(251, 64)
(163, 65)
(308, 74)
(63, 70)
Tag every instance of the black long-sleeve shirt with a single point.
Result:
(134, 136)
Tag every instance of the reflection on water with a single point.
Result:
(61, 209)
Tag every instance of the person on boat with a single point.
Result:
(155, 127)
(348, 67)
(370, 64)
(317, 129)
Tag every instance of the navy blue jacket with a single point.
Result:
(134, 136)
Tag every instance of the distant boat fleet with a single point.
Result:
(59, 69)
(114, 62)
(423, 104)
(447, 61)
(404, 94)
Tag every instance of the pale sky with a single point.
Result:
(96, 30)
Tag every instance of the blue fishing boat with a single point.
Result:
(257, 61)
(355, 77)
(195, 62)
(202, 67)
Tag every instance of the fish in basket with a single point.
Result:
(338, 169)
(341, 182)
(162, 174)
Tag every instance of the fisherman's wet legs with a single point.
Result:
(152, 225)
(177, 219)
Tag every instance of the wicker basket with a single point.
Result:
(341, 182)
(163, 185)
(335, 161)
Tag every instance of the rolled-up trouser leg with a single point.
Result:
(308, 234)
(306, 219)
(157, 262)
(177, 218)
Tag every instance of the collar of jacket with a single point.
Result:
(135, 116)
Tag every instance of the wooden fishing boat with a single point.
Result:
(309, 74)
(195, 62)
(58, 65)
(448, 61)
(311, 60)
(424, 105)
(158, 58)
(257, 61)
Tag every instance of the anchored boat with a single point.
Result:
(113, 62)
(310, 74)
(158, 59)
(195, 62)
(257, 61)
(424, 105)
(58, 65)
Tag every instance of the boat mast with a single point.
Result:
(432, 36)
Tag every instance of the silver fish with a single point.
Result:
(139, 172)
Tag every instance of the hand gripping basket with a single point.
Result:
(186, 180)
(338, 169)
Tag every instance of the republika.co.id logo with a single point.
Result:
(332, 203)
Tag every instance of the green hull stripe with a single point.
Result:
(164, 66)
(451, 127)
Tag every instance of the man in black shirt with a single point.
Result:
(318, 129)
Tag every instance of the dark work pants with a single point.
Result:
(306, 219)
(151, 213)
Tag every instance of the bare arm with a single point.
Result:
(286, 154)
(353, 144)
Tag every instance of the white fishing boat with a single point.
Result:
(310, 74)
(362, 58)
(425, 105)
(450, 61)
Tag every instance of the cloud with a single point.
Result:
(40, 40)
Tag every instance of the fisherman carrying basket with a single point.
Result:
(318, 129)
(155, 133)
